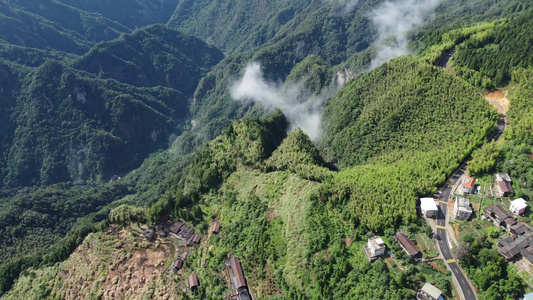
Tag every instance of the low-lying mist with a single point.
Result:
(301, 107)
(393, 20)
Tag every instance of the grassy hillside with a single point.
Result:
(291, 241)
(107, 263)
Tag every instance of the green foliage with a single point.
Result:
(313, 72)
(125, 214)
(521, 109)
(407, 125)
(490, 273)
(506, 42)
(484, 158)
(518, 150)
(59, 251)
(247, 143)
(76, 128)
(37, 220)
(298, 154)
(133, 14)
(152, 56)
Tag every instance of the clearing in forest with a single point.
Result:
(499, 100)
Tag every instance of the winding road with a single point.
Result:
(441, 236)
(444, 197)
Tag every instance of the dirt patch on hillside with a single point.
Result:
(348, 241)
(118, 264)
(270, 215)
(499, 100)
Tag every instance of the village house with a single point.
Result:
(406, 244)
(516, 248)
(175, 228)
(468, 185)
(178, 263)
(462, 209)
(196, 239)
(428, 207)
(193, 282)
(503, 185)
(499, 216)
(215, 228)
(239, 287)
(374, 249)
(518, 206)
(181, 230)
(519, 229)
(429, 292)
(190, 241)
(238, 276)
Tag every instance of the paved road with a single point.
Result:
(443, 60)
(443, 241)
(444, 197)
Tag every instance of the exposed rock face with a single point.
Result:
(342, 77)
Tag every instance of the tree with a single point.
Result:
(462, 251)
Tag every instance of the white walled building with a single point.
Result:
(376, 246)
(428, 207)
(462, 209)
(518, 206)
(468, 185)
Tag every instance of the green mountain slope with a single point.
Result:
(133, 14)
(93, 27)
(72, 127)
(72, 111)
(152, 56)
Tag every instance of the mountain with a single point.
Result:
(282, 211)
(133, 14)
(72, 127)
(106, 128)
(152, 56)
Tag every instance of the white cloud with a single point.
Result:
(300, 106)
(393, 20)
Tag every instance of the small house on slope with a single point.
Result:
(503, 185)
(429, 292)
(149, 234)
(462, 209)
(467, 186)
(406, 244)
(215, 228)
(518, 206)
(193, 282)
(428, 207)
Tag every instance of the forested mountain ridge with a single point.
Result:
(152, 56)
(76, 126)
(93, 107)
(52, 25)
(73, 128)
